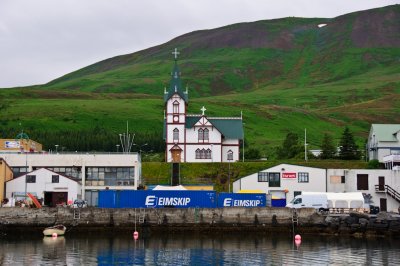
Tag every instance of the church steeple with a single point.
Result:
(175, 86)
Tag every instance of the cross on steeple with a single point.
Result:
(203, 109)
(175, 53)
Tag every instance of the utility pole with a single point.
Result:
(305, 144)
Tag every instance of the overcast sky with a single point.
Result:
(45, 39)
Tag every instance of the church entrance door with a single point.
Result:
(176, 156)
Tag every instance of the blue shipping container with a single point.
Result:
(242, 200)
(108, 199)
(157, 199)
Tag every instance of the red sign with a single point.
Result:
(288, 175)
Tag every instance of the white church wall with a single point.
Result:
(234, 149)
(192, 135)
(215, 153)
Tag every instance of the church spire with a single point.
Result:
(175, 86)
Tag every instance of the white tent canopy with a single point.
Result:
(169, 188)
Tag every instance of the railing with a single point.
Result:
(389, 190)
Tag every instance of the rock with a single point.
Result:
(363, 221)
(359, 215)
(384, 216)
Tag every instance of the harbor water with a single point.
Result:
(225, 248)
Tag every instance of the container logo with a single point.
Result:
(153, 201)
(229, 202)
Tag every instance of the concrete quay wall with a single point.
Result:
(262, 219)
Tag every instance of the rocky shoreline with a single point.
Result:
(264, 220)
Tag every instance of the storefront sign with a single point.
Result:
(288, 175)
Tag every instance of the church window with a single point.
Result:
(230, 155)
(208, 154)
(205, 134)
(176, 107)
(198, 154)
(176, 134)
(201, 134)
(203, 154)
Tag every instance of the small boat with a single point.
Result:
(57, 229)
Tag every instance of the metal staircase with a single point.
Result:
(142, 215)
(388, 190)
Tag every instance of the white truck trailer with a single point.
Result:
(325, 201)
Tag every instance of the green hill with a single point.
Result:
(284, 74)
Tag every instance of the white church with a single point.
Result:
(197, 137)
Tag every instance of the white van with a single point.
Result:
(324, 201)
(316, 201)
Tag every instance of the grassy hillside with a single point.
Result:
(285, 75)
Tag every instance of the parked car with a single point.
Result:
(79, 203)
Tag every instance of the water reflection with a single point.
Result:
(188, 249)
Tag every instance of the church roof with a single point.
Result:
(175, 85)
(230, 127)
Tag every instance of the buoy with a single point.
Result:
(297, 237)
(297, 242)
(135, 235)
(54, 235)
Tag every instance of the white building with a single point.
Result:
(384, 144)
(52, 187)
(197, 138)
(93, 171)
(283, 182)
(382, 185)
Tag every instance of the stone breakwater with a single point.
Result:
(262, 219)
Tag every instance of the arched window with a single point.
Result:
(198, 154)
(176, 135)
(175, 109)
(201, 134)
(230, 155)
(206, 135)
(208, 154)
(203, 154)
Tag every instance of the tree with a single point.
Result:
(348, 148)
(252, 154)
(290, 147)
(328, 149)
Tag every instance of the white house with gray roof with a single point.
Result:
(197, 138)
(384, 144)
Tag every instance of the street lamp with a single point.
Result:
(140, 147)
(230, 158)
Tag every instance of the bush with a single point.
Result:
(373, 164)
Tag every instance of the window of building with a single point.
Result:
(201, 134)
(205, 134)
(176, 107)
(274, 179)
(55, 179)
(203, 154)
(262, 177)
(198, 154)
(362, 182)
(176, 134)
(30, 179)
(303, 177)
(18, 171)
(343, 179)
(208, 154)
(110, 176)
(230, 155)
(73, 172)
